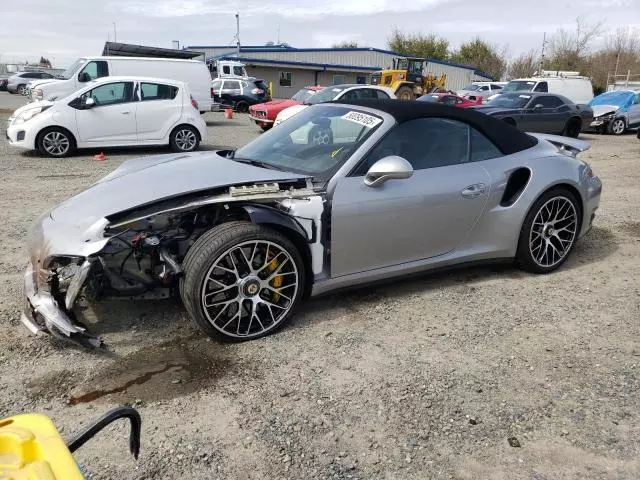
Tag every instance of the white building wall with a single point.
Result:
(457, 77)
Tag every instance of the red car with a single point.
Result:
(450, 99)
(264, 114)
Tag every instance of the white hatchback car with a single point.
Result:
(111, 112)
(338, 92)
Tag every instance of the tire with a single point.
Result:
(22, 89)
(617, 126)
(184, 138)
(405, 93)
(242, 107)
(534, 254)
(55, 142)
(225, 290)
(572, 128)
(266, 127)
(320, 136)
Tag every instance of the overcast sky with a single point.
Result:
(63, 30)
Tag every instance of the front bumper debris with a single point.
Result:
(42, 312)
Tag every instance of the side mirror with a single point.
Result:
(84, 77)
(387, 168)
(89, 103)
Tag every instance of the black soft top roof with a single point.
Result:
(506, 137)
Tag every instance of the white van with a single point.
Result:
(576, 88)
(193, 72)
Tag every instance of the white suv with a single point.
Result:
(111, 112)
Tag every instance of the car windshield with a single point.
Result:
(303, 94)
(325, 95)
(315, 142)
(510, 100)
(429, 98)
(471, 87)
(519, 86)
(68, 73)
(612, 98)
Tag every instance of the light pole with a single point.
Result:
(115, 37)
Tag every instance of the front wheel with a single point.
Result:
(405, 93)
(184, 138)
(549, 231)
(22, 89)
(617, 126)
(55, 142)
(241, 281)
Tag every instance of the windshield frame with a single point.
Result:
(322, 178)
(73, 68)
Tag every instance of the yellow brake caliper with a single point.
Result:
(276, 282)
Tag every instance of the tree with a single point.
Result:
(621, 53)
(44, 62)
(524, 66)
(483, 56)
(419, 45)
(345, 44)
(568, 49)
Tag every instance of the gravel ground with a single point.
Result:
(423, 378)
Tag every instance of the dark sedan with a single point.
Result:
(540, 112)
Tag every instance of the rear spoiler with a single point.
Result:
(568, 145)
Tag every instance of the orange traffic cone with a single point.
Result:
(228, 113)
(100, 157)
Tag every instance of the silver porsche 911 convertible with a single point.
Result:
(340, 195)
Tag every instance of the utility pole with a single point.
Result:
(278, 36)
(544, 44)
(115, 37)
(238, 32)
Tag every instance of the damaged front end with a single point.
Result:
(138, 253)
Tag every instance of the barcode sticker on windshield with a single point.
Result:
(362, 118)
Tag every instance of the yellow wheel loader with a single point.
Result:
(407, 80)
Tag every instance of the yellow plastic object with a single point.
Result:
(32, 449)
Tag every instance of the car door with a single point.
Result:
(545, 115)
(231, 92)
(113, 117)
(400, 221)
(634, 111)
(158, 110)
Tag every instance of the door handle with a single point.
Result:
(474, 190)
(126, 112)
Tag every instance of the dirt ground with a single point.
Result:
(423, 378)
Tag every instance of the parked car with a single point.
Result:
(345, 92)
(539, 112)
(193, 72)
(264, 114)
(481, 89)
(3, 83)
(450, 99)
(615, 112)
(576, 88)
(245, 235)
(111, 112)
(18, 83)
(238, 94)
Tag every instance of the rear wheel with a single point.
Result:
(55, 142)
(241, 281)
(184, 138)
(549, 231)
(617, 126)
(572, 128)
(405, 93)
(242, 107)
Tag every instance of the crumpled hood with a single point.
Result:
(29, 106)
(599, 110)
(147, 180)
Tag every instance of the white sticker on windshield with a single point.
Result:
(524, 96)
(362, 118)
